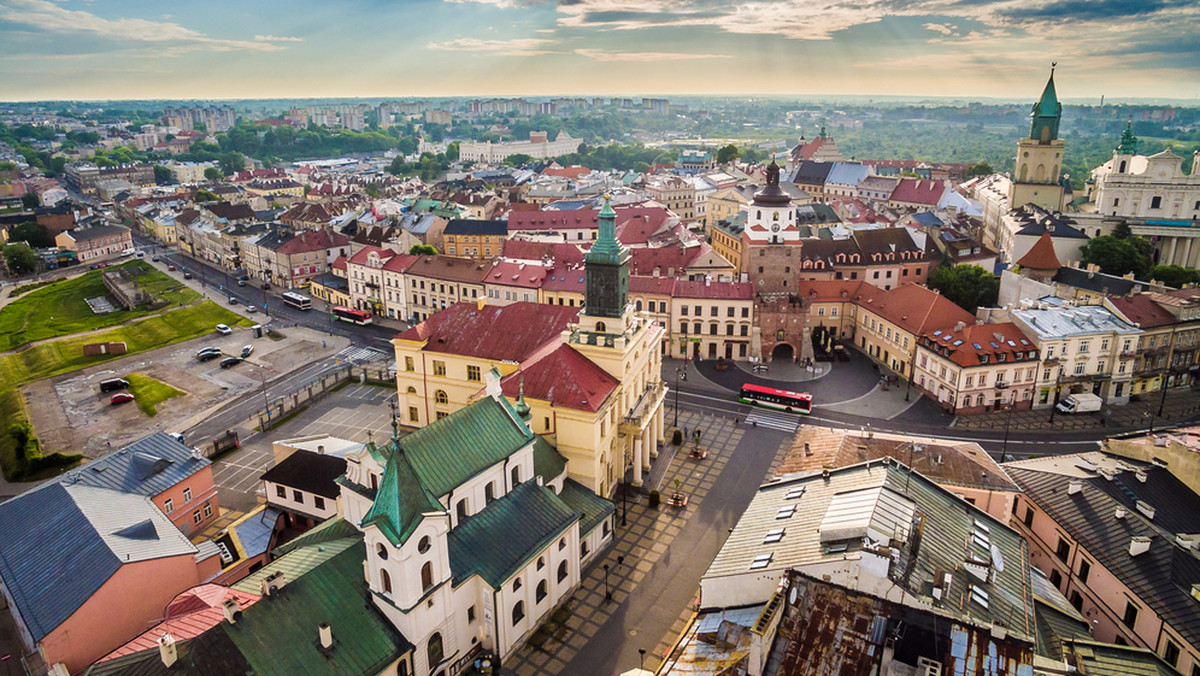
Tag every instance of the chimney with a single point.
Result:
(167, 651)
(480, 302)
(1120, 513)
(1139, 544)
(1145, 508)
(325, 634)
(230, 606)
(1074, 487)
(272, 583)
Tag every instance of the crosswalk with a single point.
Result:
(784, 422)
(361, 355)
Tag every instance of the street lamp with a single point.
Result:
(607, 591)
(1005, 387)
(679, 371)
(641, 658)
(624, 501)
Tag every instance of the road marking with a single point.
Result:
(776, 421)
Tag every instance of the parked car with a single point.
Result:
(233, 301)
(251, 309)
(113, 384)
(230, 361)
(246, 351)
(176, 436)
(187, 275)
(154, 258)
(205, 350)
(170, 268)
(224, 330)
(241, 282)
(243, 278)
(120, 398)
(206, 356)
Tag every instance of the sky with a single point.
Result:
(228, 49)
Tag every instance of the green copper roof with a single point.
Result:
(400, 501)
(1048, 105)
(591, 507)
(607, 249)
(548, 463)
(278, 634)
(297, 562)
(1129, 142)
(448, 452)
(505, 535)
(1046, 114)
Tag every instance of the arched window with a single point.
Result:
(541, 562)
(1122, 169)
(440, 397)
(461, 507)
(600, 327)
(541, 592)
(518, 612)
(381, 550)
(516, 584)
(638, 306)
(434, 650)
(562, 571)
(385, 581)
(412, 390)
(427, 576)
(516, 475)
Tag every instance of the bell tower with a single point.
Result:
(1037, 177)
(606, 270)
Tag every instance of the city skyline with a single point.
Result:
(132, 50)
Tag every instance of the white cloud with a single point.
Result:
(602, 55)
(503, 4)
(514, 47)
(277, 38)
(942, 28)
(50, 17)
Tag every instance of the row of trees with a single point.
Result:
(1122, 252)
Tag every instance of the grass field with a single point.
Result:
(149, 392)
(61, 309)
(49, 359)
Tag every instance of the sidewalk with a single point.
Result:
(1180, 405)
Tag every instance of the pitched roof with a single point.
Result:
(918, 191)
(212, 652)
(564, 254)
(510, 332)
(96, 232)
(496, 541)
(446, 453)
(1041, 255)
(148, 466)
(1142, 311)
(643, 284)
(592, 508)
(548, 463)
(812, 172)
(400, 501)
(1161, 577)
(189, 614)
(714, 290)
(476, 227)
(449, 269)
(509, 273)
(231, 212)
(313, 240)
(46, 532)
(309, 472)
(643, 261)
(917, 309)
(847, 173)
(564, 378)
(1003, 342)
(565, 281)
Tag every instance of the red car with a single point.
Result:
(120, 398)
(170, 268)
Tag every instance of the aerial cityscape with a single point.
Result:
(597, 337)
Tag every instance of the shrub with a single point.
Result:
(655, 499)
(677, 437)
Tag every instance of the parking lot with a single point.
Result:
(349, 413)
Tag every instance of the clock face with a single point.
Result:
(774, 227)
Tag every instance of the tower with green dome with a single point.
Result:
(1037, 174)
(606, 270)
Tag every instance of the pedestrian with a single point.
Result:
(685, 432)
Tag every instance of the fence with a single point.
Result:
(279, 411)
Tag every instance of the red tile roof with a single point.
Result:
(360, 258)
(511, 332)
(1142, 311)
(1041, 255)
(189, 614)
(400, 262)
(564, 378)
(918, 191)
(583, 219)
(836, 290)
(561, 281)
(562, 253)
(506, 273)
(339, 263)
(636, 225)
(573, 171)
(674, 258)
(714, 290)
(313, 240)
(641, 284)
(916, 309)
(448, 269)
(965, 347)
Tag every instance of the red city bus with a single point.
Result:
(757, 395)
(346, 314)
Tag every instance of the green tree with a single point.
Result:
(423, 250)
(1122, 231)
(29, 200)
(1175, 276)
(1119, 256)
(981, 169)
(232, 162)
(20, 258)
(452, 152)
(213, 174)
(641, 167)
(8, 166)
(205, 196)
(728, 154)
(967, 286)
(518, 160)
(162, 175)
(32, 232)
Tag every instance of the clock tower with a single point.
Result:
(606, 270)
(1036, 178)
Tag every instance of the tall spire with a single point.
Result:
(395, 425)
(522, 408)
(1129, 142)
(1046, 113)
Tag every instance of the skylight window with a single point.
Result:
(977, 346)
(785, 512)
(957, 343)
(978, 595)
(774, 535)
(761, 561)
(938, 332)
(794, 493)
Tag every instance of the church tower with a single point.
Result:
(1036, 178)
(1126, 150)
(606, 269)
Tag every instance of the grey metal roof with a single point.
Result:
(949, 535)
(60, 543)
(1063, 322)
(148, 466)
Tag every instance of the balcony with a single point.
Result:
(646, 404)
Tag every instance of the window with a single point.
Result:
(427, 576)
(517, 584)
(409, 365)
(489, 493)
(318, 502)
(441, 414)
(516, 475)
(440, 397)
(385, 581)
(1029, 516)
(1064, 549)
(298, 496)
(461, 509)
(1131, 613)
(196, 517)
(424, 545)
(381, 550)
(745, 330)
(1156, 203)
(187, 495)
(470, 614)
(683, 326)
(541, 562)
(1056, 578)
(540, 594)
(1171, 654)
(473, 374)
(413, 414)
(434, 650)
(169, 505)
(546, 423)
(1085, 569)
(562, 571)
(746, 310)
(1084, 346)
(439, 368)
(683, 309)
(1076, 600)
(1079, 368)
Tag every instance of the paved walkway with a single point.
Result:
(1178, 405)
(656, 561)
